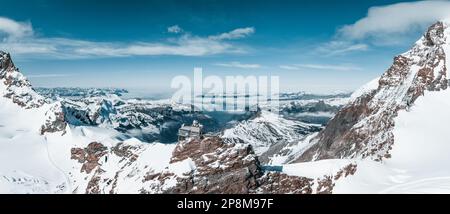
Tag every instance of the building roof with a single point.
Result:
(189, 131)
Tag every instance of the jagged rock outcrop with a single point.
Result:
(216, 167)
(220, 167)
(17, 87)
(363, 128)
(89, 156)
(55, 120)
(279, 183)
(232, 169)
(91, 159)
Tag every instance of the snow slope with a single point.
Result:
(34, 163)
(26, 166)
(36, 147)
(422, 145)
(420, 154)
(267, 129)
(405, 115)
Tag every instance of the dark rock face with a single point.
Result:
(93, 186)
(231, 169)
(220, 167)
(92, 159)
(363, 128)
(18, 89)
(346, 171)
(279, 183)
(338, 129)
(89, 156)
(226, 168)
(6, 63)
(55, 121)
(124, 151)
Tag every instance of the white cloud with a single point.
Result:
(330, 67)
(289, 67)
(239, 65)
(31, 76)
(174, 29)
(13, 29)
(184, 46)
(340, 67)
(397, 18)
(235, 34)
(395, 24)
(350, 48)
(340, 47)
(20, 40)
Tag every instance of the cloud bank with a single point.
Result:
(239, 65)
(395, 24)
(329, 67)
(14, 30)
(235, 34)
(397, 19)
(19, 39)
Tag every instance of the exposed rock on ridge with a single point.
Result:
(363, 128)
(17, 87)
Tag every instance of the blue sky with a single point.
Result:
(318, 46)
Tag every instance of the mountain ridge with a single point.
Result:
(363, 127)
(16, 85)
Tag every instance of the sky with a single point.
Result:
(316, 46)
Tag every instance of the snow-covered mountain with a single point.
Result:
(16, 86)
(393, 130)
(364, 128)
(84, 145)
(149, 121)
(268, 133)
(389, 137)
(77, 92)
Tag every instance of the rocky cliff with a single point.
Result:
(16, 86)
(363, 128)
